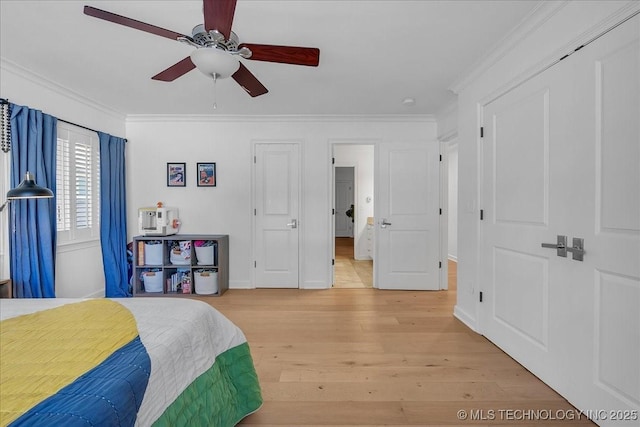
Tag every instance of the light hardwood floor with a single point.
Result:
(351, 273)
(367, 357)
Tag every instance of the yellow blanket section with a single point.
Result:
(45, 351)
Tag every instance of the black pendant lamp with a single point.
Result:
(28, 189)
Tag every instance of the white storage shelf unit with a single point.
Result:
(181, 265)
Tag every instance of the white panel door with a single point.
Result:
(605, 191)
(520, 192)
(561, 156)
(277, 193)
(408, 216)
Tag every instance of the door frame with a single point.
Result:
(332, 198)
(301, 239)
(443, 201)
(446, 142)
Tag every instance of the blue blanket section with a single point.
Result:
(108, 395)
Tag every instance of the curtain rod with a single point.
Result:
(6, 101)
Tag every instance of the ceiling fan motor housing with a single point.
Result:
(214, 38)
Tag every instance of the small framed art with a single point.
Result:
(206, 174)
(176, 175)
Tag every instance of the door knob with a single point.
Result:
(293, 223)
(384, 223)
(560, 246)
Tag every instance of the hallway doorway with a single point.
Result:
(353, 194)
(349, 272)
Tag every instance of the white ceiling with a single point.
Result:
(373, 54)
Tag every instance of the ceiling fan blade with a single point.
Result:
(309, 56)
(249, 82)
(128, 22)
(218, 15)
(175, 71)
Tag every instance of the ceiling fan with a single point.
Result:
(217, 47)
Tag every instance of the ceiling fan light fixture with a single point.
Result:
(212, 61)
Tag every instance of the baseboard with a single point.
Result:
(96, 294)
(315, 284)
(465, 318)
(241, 284)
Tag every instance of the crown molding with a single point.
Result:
(536, 18)
(39, 80)
(448, 136)
(202, 118)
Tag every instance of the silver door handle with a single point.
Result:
(384, 223)
(577, 250)
(560, 246)
(293, 223)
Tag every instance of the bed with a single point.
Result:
(126, 361)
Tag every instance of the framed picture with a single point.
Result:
(206, 174)
(176, 175)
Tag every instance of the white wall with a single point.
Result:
(452, 211)
(228, 141)
(556, 29)
(227, 208)
(362, 158)
(79, 270)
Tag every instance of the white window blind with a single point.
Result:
(77, 184)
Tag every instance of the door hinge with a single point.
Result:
(254, 160)
(440, 211)
(480, 296)
(481, 214)
(440, 157)
(439, 264)
(255, 264)
(333, 261)
(333, 160)
(481, 132)
(255, 212)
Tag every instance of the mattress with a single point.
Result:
(129, 361)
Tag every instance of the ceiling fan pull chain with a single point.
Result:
(215, 105)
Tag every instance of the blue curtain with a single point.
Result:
(32, 225)
(113, 215)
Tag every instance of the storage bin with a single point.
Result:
(204, 255)
(152, 281)
(180, 252)
(153, 253)
(206, 282)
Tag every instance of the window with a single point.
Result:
(77, 184)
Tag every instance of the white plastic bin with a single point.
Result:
(153, 254)
(206, 282)
(204, 255)
(152, 281)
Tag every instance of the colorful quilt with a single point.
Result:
(136, 361)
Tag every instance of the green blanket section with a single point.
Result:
(222, 396)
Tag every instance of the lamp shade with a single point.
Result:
(215, 62)
(28, 189)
